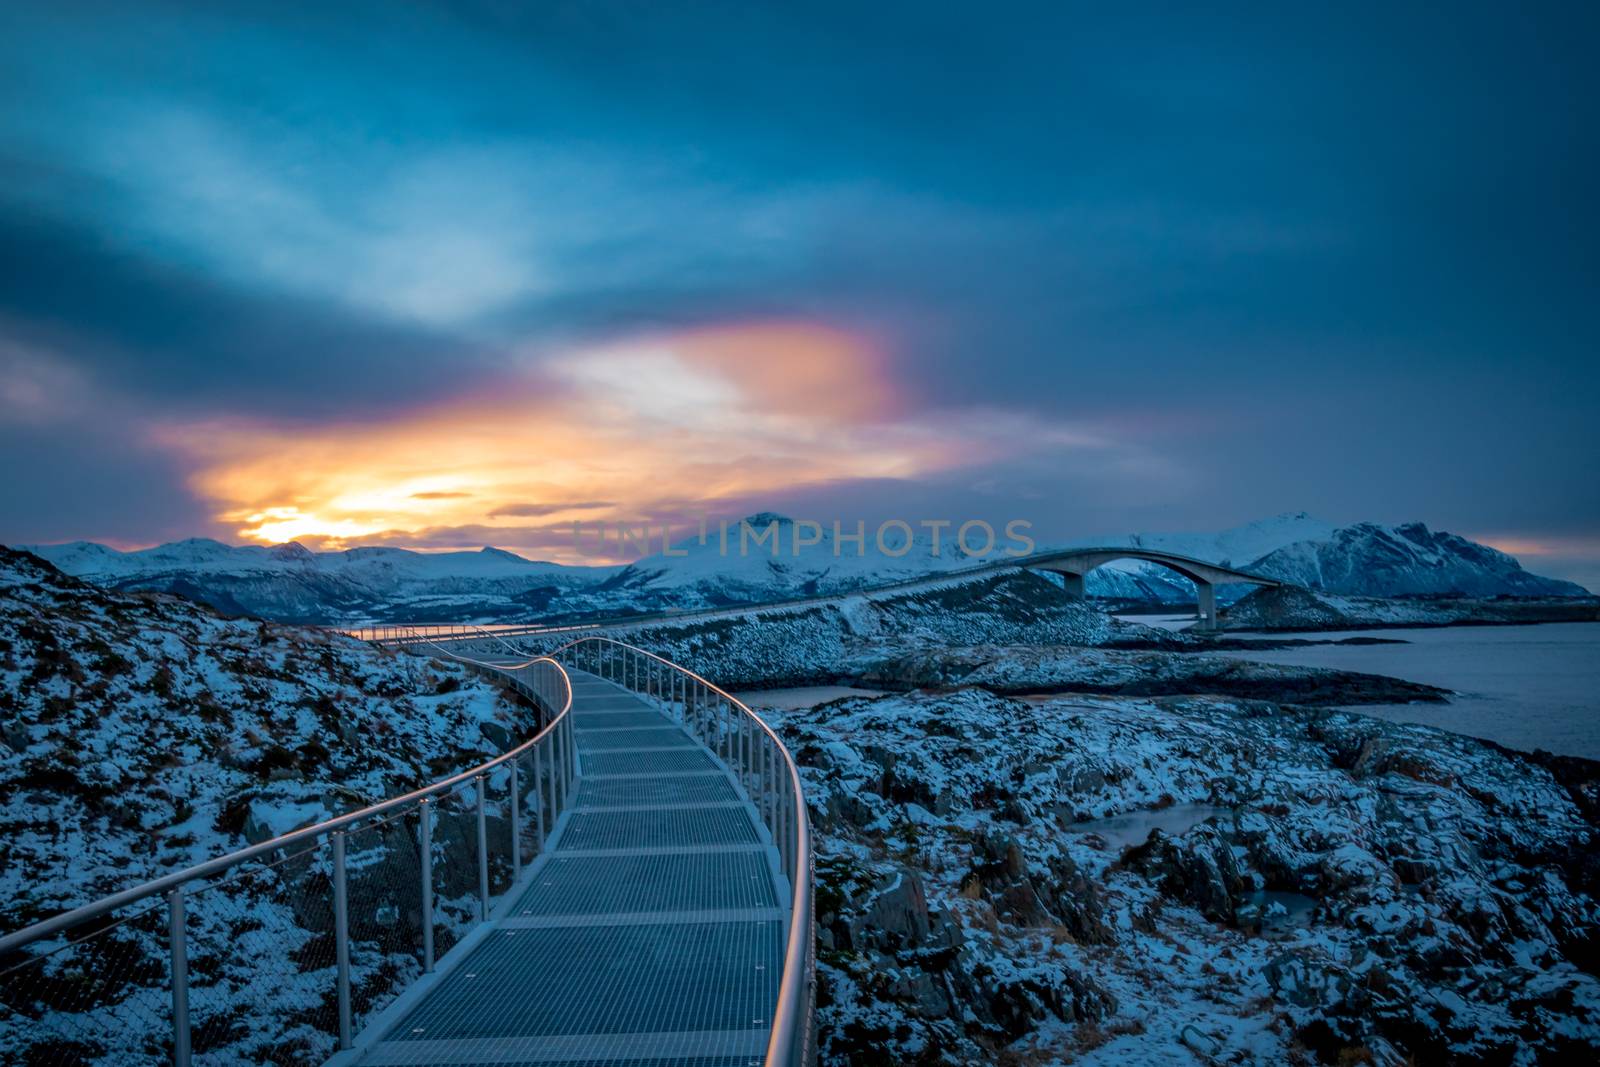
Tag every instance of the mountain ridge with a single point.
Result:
(292, 583)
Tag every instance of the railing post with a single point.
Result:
(538, 792)
(744, 749)
(516, 824)
(568, 759)
(178, 934)
(780, 802)
(791, 827)
(758, 761)
(554, 811)
(341, 936)
(729, 734)
(557, 748)
(783, 830)
(425, 855)
(766, 778)
(569, 768)
(483, 855)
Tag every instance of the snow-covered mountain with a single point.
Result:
(1372, 560)
(1236, 547)
(1365, 559)
(290, 583)
(794, 558)
(757, 560)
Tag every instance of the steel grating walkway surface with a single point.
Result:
(650, 933)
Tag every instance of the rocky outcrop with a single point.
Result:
(144, 734)
(1036, 670)
(1290, 609)
(1442, 889)
(820, 643)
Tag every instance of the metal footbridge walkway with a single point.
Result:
(637, 890)
(660, 879)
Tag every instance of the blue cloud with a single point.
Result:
(1325, 252)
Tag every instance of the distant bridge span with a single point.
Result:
(1073, 564)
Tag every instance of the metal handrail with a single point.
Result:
(790, 1043)
(558, 729)
(752, 748)
(44, 928)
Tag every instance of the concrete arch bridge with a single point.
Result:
(1074, 564)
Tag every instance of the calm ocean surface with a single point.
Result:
(1524, 686)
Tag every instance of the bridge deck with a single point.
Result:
(651, 929)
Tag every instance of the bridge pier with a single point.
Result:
(1206, 599)
(1072, 583)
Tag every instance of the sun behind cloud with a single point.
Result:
(661, 422)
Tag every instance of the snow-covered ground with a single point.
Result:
(143, 734)
(1443, 890)
(1289, 608)
(1051, 876)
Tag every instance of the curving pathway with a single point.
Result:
(651, 929)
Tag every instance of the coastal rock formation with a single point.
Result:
(1326, 887)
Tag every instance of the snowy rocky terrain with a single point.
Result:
(361, 585)
(1062, 837)
(143, 734)
(817, 642)
(1291, 609)
(1037, 670)
(1325, 887)
(1011, 632)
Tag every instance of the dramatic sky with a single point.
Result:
(458, 274)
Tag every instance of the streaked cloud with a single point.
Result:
(662, 422)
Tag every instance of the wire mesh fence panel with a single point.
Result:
(525, 802)
(262, 963)
(100, 996)
(497, 828)
(455, 865)
(383, 870)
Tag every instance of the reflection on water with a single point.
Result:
(1133, 828)
(1526, 687)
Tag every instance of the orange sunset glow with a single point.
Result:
(666, 422)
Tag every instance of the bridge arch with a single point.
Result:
(1074, 564)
